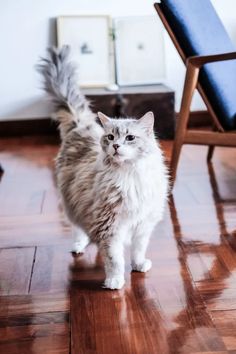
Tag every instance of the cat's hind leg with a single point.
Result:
(139, 244)
(80, 239)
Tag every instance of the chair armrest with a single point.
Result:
(200, 60)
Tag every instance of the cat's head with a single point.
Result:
(125, 139)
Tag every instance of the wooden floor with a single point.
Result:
(52, 303)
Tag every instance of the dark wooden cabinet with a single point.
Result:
(134, 101)
(130, 101)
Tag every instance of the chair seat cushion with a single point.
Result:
(199, 31)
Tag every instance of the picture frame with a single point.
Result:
(89, 47)
(139, 51)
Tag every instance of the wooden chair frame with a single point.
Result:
(218, 137)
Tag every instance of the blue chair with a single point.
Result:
(210, 58)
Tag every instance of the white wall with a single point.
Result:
(27, 27)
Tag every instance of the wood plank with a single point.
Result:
(51, 269)
(47, 332)
(218, 294)
(20, 201)
(197, 267)
(44, 229)
(225, 322)
(23, 305)
(51, 202)
(209, 138)
(49, 345)
(44, 332)
(15, 270)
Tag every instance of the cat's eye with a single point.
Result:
(110, 137)
(130, 137)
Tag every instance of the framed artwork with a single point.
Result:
(92, 49)
(139, 50)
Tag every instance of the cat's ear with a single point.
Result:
(103, 118)
(147, 122)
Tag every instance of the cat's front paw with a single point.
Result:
(113, 283)
(142, 267)
(78, 247)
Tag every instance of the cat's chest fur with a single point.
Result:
(142, 186)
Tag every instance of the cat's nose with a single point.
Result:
(116, 146)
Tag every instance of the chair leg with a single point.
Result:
(189, 87)
(175, 158)
(211, 149)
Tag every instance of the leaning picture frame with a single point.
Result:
(139, 51)
(91, 42)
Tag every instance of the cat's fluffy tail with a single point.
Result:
(61, 83)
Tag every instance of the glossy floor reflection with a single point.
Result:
(52, 302)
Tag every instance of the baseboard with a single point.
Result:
(45, 126)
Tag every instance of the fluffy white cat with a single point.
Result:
(111, 176)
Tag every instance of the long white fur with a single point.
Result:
(131, 185)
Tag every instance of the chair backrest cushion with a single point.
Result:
(199, 31)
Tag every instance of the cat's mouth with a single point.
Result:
(117, 156)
